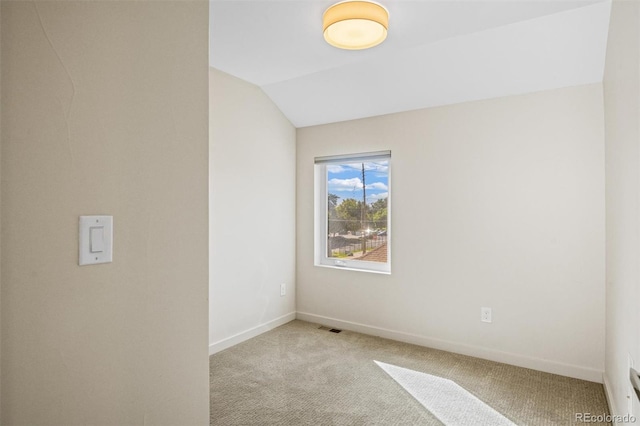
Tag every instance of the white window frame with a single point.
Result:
(321, 211)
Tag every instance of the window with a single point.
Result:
(353, 211)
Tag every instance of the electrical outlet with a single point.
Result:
(485, 314)
(283, 289)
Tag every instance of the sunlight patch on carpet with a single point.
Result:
(445, 399)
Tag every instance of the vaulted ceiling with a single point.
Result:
(436, 53)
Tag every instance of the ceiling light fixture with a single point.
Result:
(355, 25)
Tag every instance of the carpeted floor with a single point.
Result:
(298, 374)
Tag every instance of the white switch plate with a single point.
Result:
(283, 289)
(95, 240)
(485, 314)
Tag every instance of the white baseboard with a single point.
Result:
(539, 364)
(610, 401)
(248, 334)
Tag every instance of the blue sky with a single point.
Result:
(345, 180)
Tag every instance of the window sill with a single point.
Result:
(346, 268)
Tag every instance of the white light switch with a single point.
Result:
(95, 240)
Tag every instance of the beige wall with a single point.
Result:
(252, 212)
(622, 114)
(496, 203)
(104, 106)
(0, 215)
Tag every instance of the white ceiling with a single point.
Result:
(436, 53)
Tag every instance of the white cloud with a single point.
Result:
(377, 166)
(378, 185)
(380, 166)
(357, 166)
(380, 196)
(335, 168)
(345, 184)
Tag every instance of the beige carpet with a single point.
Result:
(300, 375)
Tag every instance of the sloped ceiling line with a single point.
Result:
(437, 53)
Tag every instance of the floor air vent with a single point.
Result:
(333, 330)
